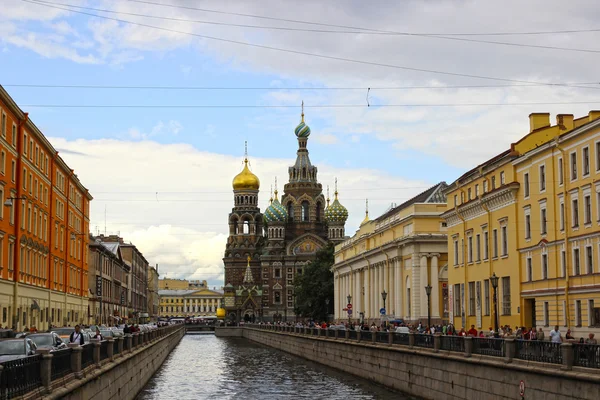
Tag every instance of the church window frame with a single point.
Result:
(319, 207)
(305, 207)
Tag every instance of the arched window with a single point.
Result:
(318, 211)
(277, 297)
(246, 227)
(305, 211)
(290, 211)
(304, 173)
(235, 227)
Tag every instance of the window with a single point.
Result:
(462, 249)
(576, 266)
(589, 260)
(478, 246)
(546, 314)
(495, 243)
(471, 298)
(526, 184)
(469, 194)
(529, 270)
(506, 295)
(543, 221)
(493, 182)
(2, 162)
(586, 161)
(457, 302)
(587, 209)
(455, 200)
(486, 297)
(597, 156)
(502, 180)
(562, 216)
(3, 127)
(573, 166)
(470, 249)
(578, 313)
(544, 266)
(563, 263)
(591, 313)
(455, 251)
(486, 242)
(575, 212)
(527, 226)
(13, 171)
(485, 186)
(476, 190)
(305, 214)
(24, 178)
(14, 135)
(560, 171)
(542, 178)
(504, 241)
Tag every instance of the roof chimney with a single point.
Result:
(538, 120)
(593, 115)
(564, 121)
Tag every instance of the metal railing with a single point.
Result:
(400, 338)
(382, 337)
(115, 347)
(452, 343)
(20, 376)
(352, 334)
(61, 363)
(422, 340)
(534, 350)
(104, 350)
(586, 355)
(87, 355)
(330, 333)
(488, 346)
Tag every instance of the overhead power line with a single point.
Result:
(416, 87)
(290, 51)
(367, 32)
(369, 29)
(305, 106)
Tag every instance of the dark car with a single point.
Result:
(13, 349)
(50, 341)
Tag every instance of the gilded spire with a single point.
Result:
(248, 275)
(271, 199)
(366, 212)
(276, 188)
(245, 151)
(327, 195)
(336, 192)
(246, 179)
(302, 111)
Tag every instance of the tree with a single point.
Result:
(315, 286)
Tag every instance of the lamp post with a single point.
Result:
(327, 311)
(494, 280)
(428, 291)
(349, 298)
(384, 297)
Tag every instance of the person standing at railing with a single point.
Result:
(555, 335)
(98, 335)
(76, 336)
(590, 339)
(472, 332)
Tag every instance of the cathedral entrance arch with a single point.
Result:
(249, 316)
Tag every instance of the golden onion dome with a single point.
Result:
(246, 179)
(221, 313)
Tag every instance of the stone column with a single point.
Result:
(399, 282)
(135, 340)
(110, 347)
(96, 344)
(468, 346)
(422, 299)
(437, 342)
(435, 287)
(120, 341)
(367, 284)
(128, 342)
(76, 359)
(46, 369)
(510, 346)
(566, 350)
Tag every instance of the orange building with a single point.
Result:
(44, 220)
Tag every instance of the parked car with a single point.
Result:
(106, 333)
(13, 349)
(50, 341)
(65, 332)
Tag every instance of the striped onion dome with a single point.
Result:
(336, 212)
(302, 130)
(276, 212)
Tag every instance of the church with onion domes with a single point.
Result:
(264, 251)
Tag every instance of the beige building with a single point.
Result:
(153, 299)
(173, 284)
(399, 253)
(189, 302)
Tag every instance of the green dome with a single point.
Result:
(336, 212)
(275, 212)
(302, 130)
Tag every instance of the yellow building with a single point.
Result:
(173, 284)
(189, 302)
(527, 216)
(401, 252)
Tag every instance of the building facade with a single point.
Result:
(153, 298)
(189, 302)
(527, 217)
(108, 283)
(44, 220)
(399, 253)
(264, 252)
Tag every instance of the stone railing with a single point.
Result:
(38, 375)
(565, 355)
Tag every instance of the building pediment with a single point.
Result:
(306, 244)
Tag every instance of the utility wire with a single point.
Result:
(430, 36)
(182, 106)
(304, 53)
(369, 29)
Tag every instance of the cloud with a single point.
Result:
(173, 201)
(327, 139)
(171, 128)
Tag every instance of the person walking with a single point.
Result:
(77, 336)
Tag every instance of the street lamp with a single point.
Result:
(428, 291)
(384, 297)
(327, 304)
(494, 280)
(349, 298)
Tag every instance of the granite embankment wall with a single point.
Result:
(125, 376)
(432, 375)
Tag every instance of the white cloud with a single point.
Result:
(327, 138)
(172, 201)
(170, 128)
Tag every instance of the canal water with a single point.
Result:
(207, 367)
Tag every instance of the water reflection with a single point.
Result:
(207, 367)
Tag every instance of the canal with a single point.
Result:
(207, 367)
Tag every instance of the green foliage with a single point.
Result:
(315, 285)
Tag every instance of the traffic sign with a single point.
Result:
(522, 388)
(349, 312)
(382, 311)
(349, 306)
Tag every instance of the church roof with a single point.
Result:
(434, 194)
(187, 292)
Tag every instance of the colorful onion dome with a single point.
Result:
(276, 212)
(336, 212)
(302, 130)
(246, 180)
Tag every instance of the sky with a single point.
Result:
(399, 95)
